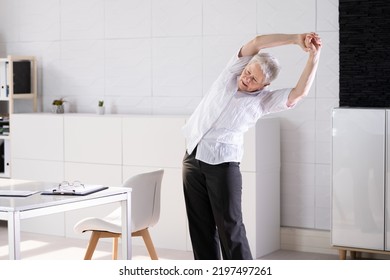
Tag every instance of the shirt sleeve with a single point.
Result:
(276, 101)
(236, 64)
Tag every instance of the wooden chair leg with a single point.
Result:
(92, 245)
(358, 255)
(353, 255)
(96, 235)
(342, 254)
(149, 244)
(115, 248)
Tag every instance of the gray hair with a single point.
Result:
(268, 64)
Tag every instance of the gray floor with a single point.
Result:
(45, 247)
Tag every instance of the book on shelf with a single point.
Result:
(4, 125)
(4, 130)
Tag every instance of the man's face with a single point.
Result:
(252, 78)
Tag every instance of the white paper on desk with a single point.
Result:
(17, 193)
(87, 189)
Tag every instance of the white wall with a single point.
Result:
(160, 57)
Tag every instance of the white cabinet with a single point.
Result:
(93, 149)
(37, 147)
(261, 186)
(108, 149)
(360, 168)
(93, 139)
(33, 131)
(153, 140)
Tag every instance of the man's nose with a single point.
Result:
(248, 78)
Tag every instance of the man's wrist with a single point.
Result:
(299, 38)
(314, 56)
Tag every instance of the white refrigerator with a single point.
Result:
(360, 178)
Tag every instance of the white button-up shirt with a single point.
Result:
(218, 124)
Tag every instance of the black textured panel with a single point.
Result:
(364, 53)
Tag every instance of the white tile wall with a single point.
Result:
(231, 17)
(328, 73)
(81, 20)
(161, 56)
(127, 67)
(39, 20)
(127, 19)
(172, 18)
(286, 16)
(327, 15)
(9, 16)
(82, 71)
(177, 66)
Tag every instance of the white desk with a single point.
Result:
(15, 209)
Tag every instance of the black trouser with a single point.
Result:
(213, 202)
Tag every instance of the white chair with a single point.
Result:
(145, 213)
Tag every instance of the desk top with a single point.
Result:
(34, 201)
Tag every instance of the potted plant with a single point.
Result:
(58, 106)
(100, 109)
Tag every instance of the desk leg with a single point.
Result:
(14, 235)
(126, 228)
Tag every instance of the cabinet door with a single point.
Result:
(38, 170)
(90, 139)
(37, 136)
(88, 173)
(358, 178)
(153, 141)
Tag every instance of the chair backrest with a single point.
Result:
(145, 198)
